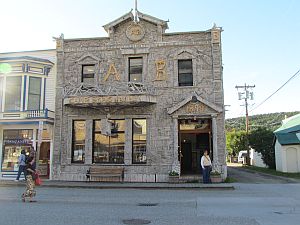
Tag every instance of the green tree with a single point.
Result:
(235, 142)
(261, 140)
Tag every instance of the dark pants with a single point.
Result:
(206, 174)
(22, 169)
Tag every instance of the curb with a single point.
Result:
(152, 186)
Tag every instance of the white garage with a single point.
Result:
(287, 145)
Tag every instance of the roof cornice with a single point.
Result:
(119, 20)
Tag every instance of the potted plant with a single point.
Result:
(173, 177)
(215, 177)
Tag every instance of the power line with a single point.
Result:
(276, 91)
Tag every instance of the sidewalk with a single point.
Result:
(105, 185)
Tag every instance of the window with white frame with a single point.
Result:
(13, 93)
(34, 93)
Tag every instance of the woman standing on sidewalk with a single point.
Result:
(206, 167)
(30, 185)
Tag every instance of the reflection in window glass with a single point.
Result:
(1, 93)
(34, 93)
(17, 134)
(88, 74)
(139, 140)
(109, 147)
(13, 93)
(135, 69)
(11, 154)
(78, 149)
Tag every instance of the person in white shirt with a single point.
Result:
(206, 167)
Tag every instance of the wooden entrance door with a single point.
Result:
(186, 157)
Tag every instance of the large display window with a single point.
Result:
(108, 147)
(13, 143)
(11, 154)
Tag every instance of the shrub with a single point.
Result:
(173, 173)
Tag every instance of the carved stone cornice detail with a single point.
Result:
(116, 88)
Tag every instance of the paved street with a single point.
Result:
(253, 177)
(248, 204)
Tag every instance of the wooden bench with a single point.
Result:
(100, 172)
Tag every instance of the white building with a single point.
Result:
(27, 93)
(287, 145)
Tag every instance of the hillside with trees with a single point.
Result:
(271, 121)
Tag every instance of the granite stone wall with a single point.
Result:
(206, 56)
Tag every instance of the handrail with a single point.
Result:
(29, 114)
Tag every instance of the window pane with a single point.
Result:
(117, 125)
(34, 93)
(135, 69)
(185, 65)
(35, 85)
(185, 72)
(97, 125)
(89, 69)
(1, 93)
(17, 134)
(11, 154)
(185, 79)
(88, 73)
(109, 148)
(78, 150)
(13, 93)
(139, 140)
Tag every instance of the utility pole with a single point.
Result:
(245, 94)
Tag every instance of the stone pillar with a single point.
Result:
(176, 163)
(89, 142)
(128, 142)
(215, 144)
(51, 159)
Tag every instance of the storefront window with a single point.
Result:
(108, 147)
(11, 154)
(1, 93)
(139, 140)
(78, 148)
(13, 142)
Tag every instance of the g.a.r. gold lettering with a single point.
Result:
(112, 71)
(161, 73)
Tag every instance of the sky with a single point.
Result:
(260, 41)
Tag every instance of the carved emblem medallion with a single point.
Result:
(135, 32)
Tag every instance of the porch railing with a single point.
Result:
(29, 114)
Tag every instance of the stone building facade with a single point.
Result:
(140, 99)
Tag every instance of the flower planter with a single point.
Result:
(173, 179)
(216, 179)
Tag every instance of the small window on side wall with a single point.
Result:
(185, 72)
(88, 74)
